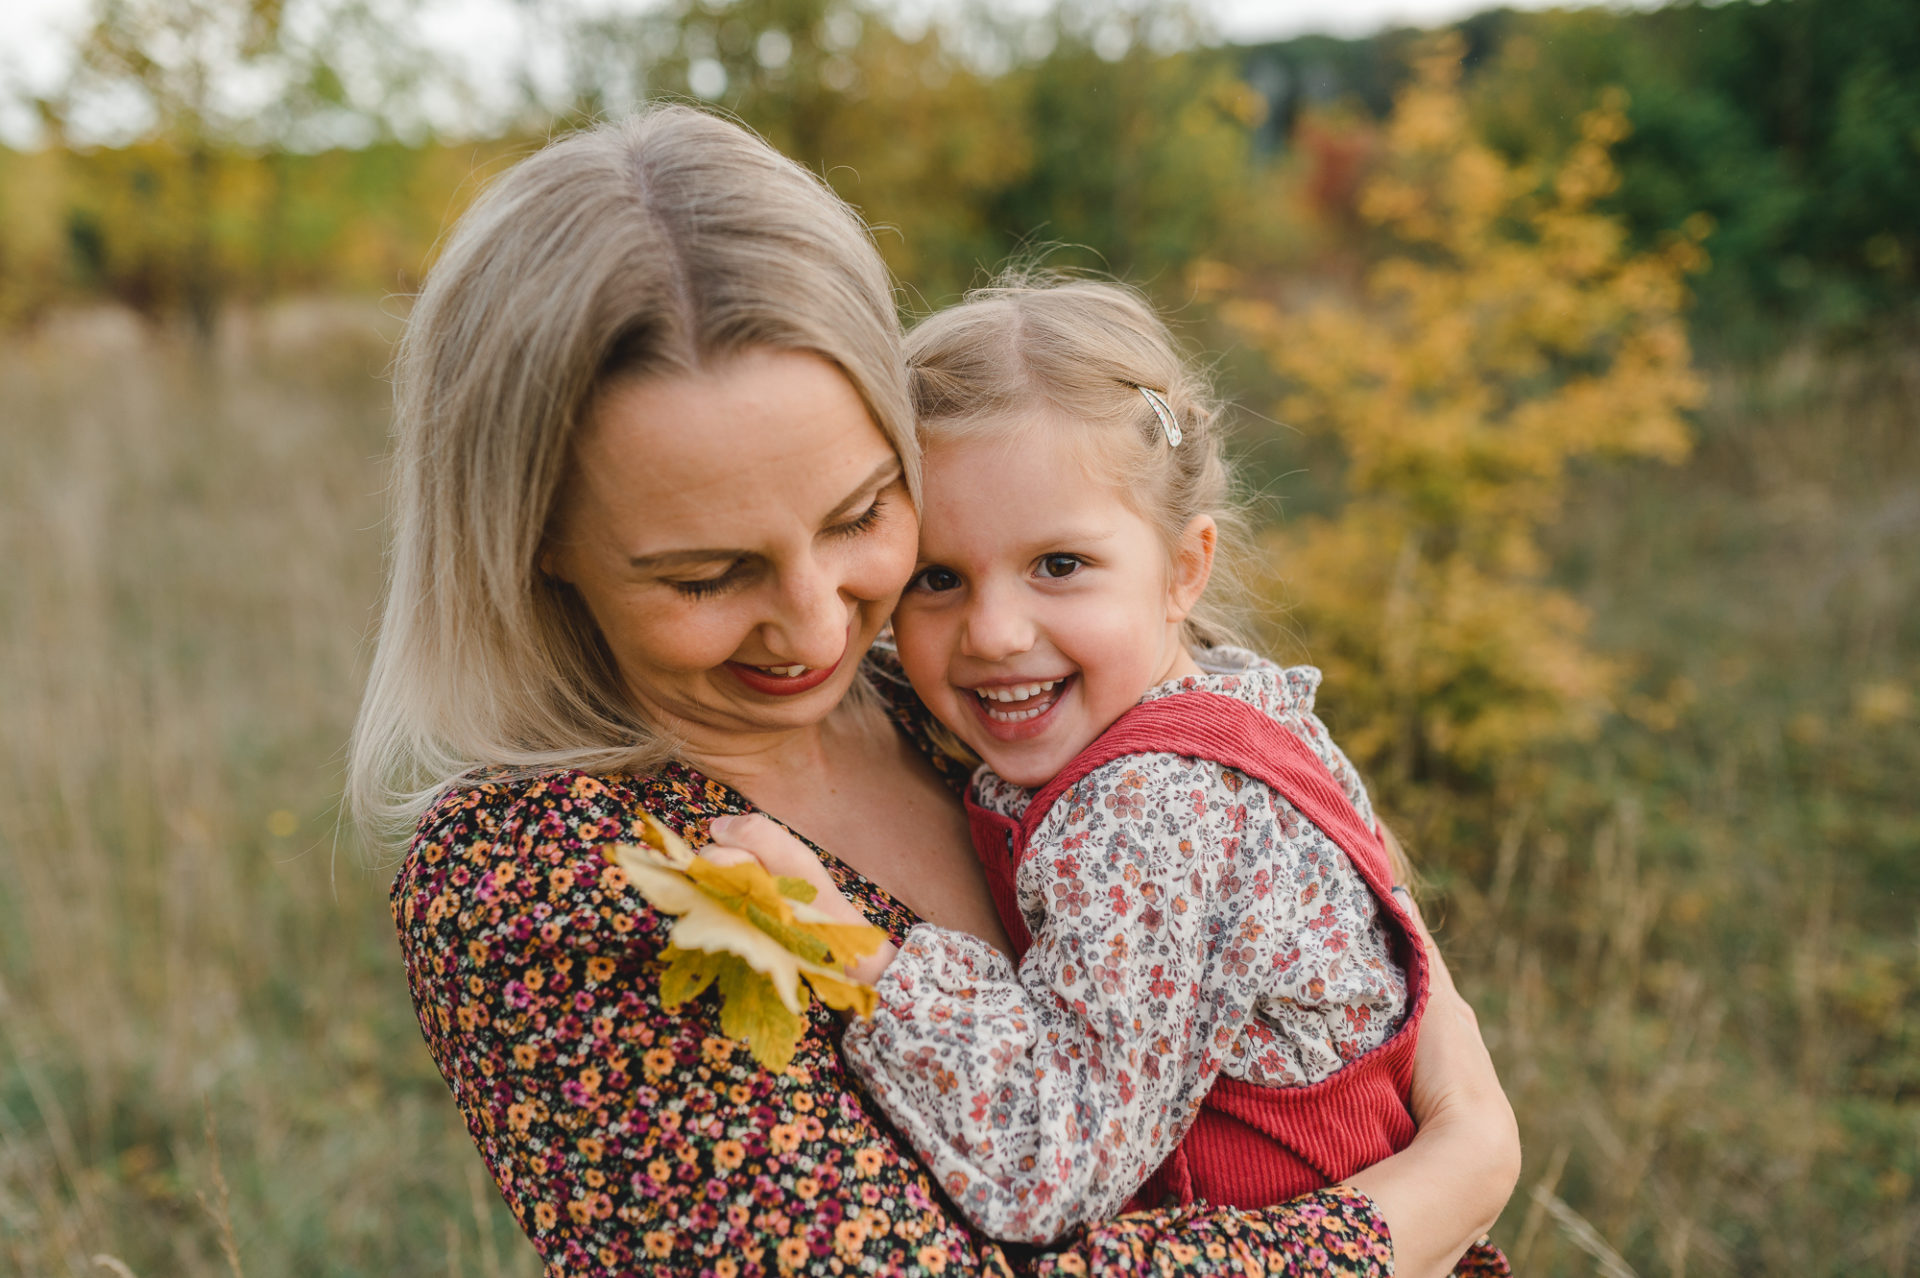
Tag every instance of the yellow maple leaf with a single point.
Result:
(757, 936)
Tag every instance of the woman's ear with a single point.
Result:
(549, 564)
(1192, 565)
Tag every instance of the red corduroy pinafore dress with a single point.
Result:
(1250, 1146)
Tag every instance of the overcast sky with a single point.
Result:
(35, 35)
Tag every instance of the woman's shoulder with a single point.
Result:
(497, 847)
(565, 806)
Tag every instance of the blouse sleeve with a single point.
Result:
(1302, 683)
(1043, 1099)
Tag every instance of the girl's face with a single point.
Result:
(740, 535)
(1043, 607)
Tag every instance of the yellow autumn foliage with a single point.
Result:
(754, 935)
(1508, 332)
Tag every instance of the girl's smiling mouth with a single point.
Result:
(1016, 710)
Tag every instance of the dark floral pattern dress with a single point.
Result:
(628, 1139)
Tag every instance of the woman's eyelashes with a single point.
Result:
(739, 570)
(862, 523)
(706, 587)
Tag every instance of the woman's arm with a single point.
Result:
(1445, 1190)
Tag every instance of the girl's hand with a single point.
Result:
(757, 838)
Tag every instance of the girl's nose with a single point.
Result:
(810, 627)
(995, 628)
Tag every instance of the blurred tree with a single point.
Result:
(201, 88)
(1510, 332)
(1794, 123)
(1142, 155)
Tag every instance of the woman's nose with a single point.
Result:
(810, 627)
(995, 628)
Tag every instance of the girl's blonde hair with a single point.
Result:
(648, 247)
(1080, 350)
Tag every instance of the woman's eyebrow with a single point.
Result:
(684, 558)
(880, 477)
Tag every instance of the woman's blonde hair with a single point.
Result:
(652, 246)
(1081, 350)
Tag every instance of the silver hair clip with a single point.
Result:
(1168, 425)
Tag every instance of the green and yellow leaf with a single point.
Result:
(757, 937)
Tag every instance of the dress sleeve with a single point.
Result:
(628, 1137)
(1043, 1099)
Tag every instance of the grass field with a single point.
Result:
(1695, 946)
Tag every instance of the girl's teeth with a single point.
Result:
(784, 672)
(994, 698)
(1018, 692)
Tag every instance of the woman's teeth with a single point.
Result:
(783, 672)
(1020, 693)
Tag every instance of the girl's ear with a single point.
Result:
(1192, 565)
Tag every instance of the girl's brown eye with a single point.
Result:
(1059, 565)
(935, 579)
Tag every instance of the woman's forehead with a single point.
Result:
(756, 440)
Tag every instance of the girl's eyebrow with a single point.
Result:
(882, 475)
(1072, 537)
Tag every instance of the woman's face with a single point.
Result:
(740, 534)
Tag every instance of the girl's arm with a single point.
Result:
(1043, 1098)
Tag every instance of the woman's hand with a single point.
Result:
(757, 838)
(1445, 1190)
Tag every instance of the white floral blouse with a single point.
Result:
(1187, 922)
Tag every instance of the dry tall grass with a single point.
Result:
(186, 955)
(1694, 948)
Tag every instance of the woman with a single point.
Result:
(656, 476)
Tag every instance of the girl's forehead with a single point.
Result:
(993, 493)
(1018, 467)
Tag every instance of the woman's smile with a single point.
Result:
(782, 681)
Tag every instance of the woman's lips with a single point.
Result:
(767, 683)
(1027, 714)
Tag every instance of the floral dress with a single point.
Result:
(628, 1139)
(1187, 923)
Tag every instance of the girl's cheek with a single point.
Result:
(917, 633)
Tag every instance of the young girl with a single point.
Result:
(1217, 994)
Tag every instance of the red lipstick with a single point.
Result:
(773, 685)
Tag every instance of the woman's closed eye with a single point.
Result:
(706, 587)
(864, 522)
